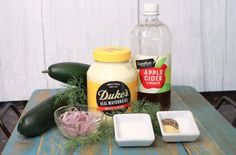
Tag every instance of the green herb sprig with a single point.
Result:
(76, 94)
(144, 106)
(101, 136)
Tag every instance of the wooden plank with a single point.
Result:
(159, 147)
(205, 143)
(230, 53)
(54, 142)
(21, 49)
(217, 128)
(213, 42)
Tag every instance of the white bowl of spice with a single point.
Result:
(177, 126)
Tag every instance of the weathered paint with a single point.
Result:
(204, 144)
(168, 148)
(215, 126)
(183, 98)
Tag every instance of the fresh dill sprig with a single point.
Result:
(144, 106)
(74, 94)
(102, 135)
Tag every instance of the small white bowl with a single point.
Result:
(133, 129)
(188, 130)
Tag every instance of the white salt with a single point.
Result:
(133, 130)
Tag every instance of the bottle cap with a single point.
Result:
(112, 54)
(151, 9)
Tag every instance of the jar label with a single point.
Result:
(154, 73)
(111, 97)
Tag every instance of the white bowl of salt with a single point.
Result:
(133, 130)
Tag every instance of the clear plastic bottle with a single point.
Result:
(151, 44)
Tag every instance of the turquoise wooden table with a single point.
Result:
(217, 135)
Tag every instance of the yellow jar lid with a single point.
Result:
(112, 54)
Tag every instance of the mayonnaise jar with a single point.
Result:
(111, 80)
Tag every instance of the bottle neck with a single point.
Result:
(151, 18)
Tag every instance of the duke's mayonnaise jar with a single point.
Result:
(111, 80)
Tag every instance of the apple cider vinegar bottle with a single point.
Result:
(151, 44)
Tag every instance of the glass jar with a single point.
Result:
(111, 80)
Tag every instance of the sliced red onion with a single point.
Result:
(78, 123)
